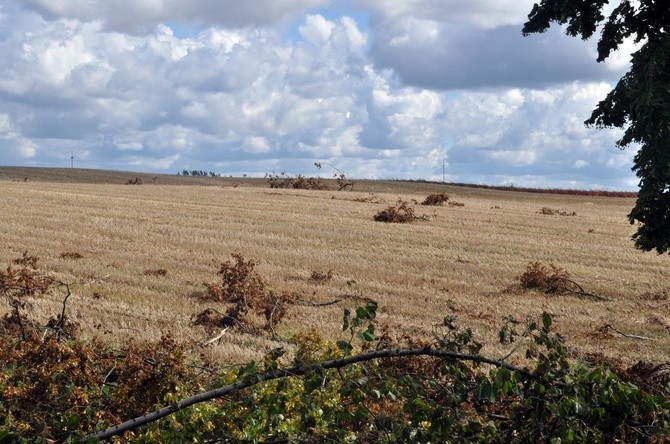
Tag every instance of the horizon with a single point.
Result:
(506, 187)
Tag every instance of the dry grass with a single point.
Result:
(458, 263)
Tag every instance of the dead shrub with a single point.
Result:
(308, 183)
(372, 198)
(401, 213)
(71, 255)
(552, 212)
(652, 378)
(343, 184)
(456, 204)
(211, 319)
(660, 295)
(156, 272)
(435, 199)
(243, 288)
(134, 181)
(18, 284)
(321, 277)
(547, 279)
(299, 183)
(279, 180)
(239, 283)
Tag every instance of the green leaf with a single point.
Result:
(345, 347)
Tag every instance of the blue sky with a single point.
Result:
(379, 88)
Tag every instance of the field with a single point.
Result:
(461, 260)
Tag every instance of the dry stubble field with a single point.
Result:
(457, 263)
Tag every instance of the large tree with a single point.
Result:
(640, 102)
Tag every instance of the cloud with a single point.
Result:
(143, 16)
(433, 55)
(525, 133)
(481, 13)
(470, 44)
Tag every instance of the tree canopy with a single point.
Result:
(639, 103)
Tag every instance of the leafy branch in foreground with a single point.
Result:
(432, 392)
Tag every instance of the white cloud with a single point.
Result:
(316, 30)
(255, 144)
(5, 124)
(151, 163)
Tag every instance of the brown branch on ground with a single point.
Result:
(607, 327)
(309, 303)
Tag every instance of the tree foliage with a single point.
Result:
(639, 102)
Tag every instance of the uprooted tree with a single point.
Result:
(638, 103)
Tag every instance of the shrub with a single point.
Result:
(246, 290)
(401, 213)
(321, 277)
(549, 279)
(71, 255)
(435, 199)
(300, 182)
(156, 272)
(343, 184)
(551, 212)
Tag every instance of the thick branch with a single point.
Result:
(297, 371)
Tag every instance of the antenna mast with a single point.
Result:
(71, 159)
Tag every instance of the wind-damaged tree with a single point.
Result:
(638, 103)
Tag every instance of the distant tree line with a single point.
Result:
(199, 173)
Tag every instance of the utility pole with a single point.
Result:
(71, 159)
(444, 166)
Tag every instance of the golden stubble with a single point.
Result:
(458, 262)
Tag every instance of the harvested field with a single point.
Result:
(137, 255)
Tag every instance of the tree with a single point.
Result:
(639, 103)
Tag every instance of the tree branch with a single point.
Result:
(297, 371)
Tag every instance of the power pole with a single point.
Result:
(444, 166)
(71, 159)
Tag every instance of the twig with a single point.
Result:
(499, 417)
(317, 304)
(69, 293)
(216, 338)
(583, 292)
(297, 371)
(109, 373)
(518, 345)
(626, 335)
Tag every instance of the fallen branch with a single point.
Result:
(296, 371)
(626, 335)
(582, 292)
(309, 303)
(215, 338)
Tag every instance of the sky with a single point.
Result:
(379, 89)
